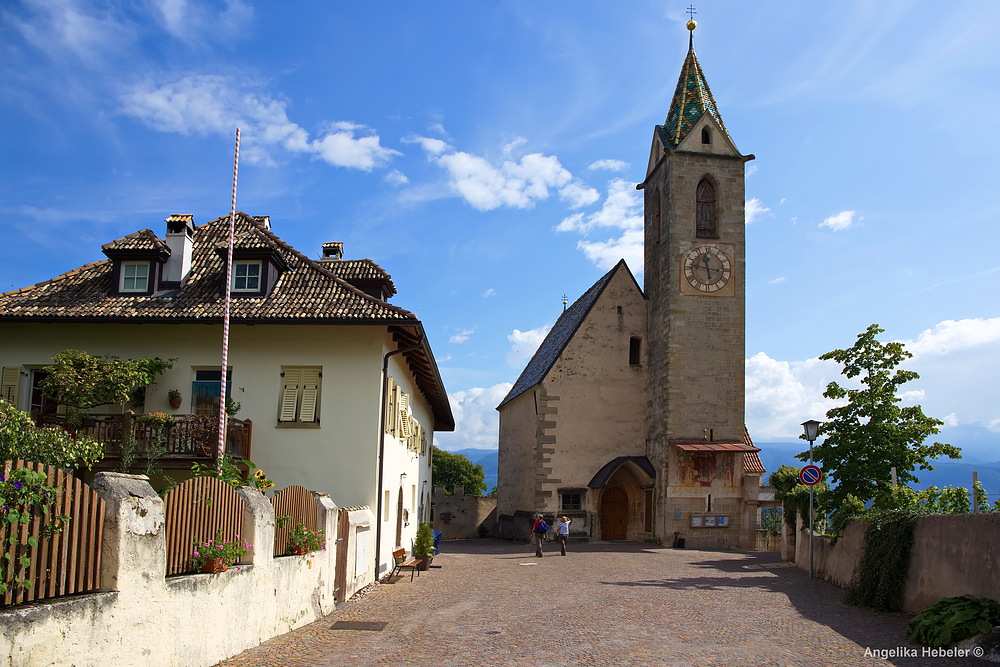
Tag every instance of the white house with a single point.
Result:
(340, 386)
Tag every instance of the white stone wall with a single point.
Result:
(143, 618)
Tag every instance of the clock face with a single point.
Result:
(707, 268)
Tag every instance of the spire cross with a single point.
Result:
(691, 11)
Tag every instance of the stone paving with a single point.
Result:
(493, 603)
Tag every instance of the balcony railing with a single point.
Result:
(191, 438)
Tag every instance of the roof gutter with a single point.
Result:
(381, 445)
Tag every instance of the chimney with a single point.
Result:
(333, 250)
(180, 230)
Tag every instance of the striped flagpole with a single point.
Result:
(225, 313)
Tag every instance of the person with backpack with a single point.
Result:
(539, 530)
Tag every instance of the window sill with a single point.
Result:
(295, 425)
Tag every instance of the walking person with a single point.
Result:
(538, 531)
(562, 533)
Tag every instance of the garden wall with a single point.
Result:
(953, 554)
(143, 618)
(459, 516)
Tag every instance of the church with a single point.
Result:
(629, 418)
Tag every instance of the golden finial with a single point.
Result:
(691, 24)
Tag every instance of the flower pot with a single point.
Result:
(214, 565)
(298, 551)
(175, 403)
(424, 563)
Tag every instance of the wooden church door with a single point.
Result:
(614, 514)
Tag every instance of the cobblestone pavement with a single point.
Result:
(493, 603)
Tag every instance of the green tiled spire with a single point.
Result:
(692, 98)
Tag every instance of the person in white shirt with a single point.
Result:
(562, 533)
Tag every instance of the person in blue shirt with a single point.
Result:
(562, 533)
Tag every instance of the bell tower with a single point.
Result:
(695, 286)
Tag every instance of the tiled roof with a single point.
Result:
(558, 337)
(703, 446)
(143, 239)
(751, 460)
(692, 99)
(360, 270)
(307, 291)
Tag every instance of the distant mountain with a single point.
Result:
(488, 458)
(947, 472)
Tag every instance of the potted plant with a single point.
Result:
(217, 554)
(156, 420)
(302, 540)
(423, 545)
(174, 396)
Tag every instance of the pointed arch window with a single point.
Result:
(706, 210)
(706, 136)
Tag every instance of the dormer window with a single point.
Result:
(706, 135)
(246, 275)
(134, 277)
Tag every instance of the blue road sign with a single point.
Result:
(810, 475)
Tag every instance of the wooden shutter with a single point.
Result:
(289, 394)
(396, 400)
(10, 383)
(390, 386)
(404, 413)
(308, 412)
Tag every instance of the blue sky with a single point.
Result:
(486, 155)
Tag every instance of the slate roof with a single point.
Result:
(360, 270)
(692, 99)
(307, 291)
(558, 337)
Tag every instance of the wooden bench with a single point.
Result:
(404, 563)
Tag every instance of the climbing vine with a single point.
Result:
(24, 497)
(878, 581)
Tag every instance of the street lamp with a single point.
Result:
(812, 430)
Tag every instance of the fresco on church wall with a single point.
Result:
(699, 469)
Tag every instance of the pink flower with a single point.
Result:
(219, 547)
(196, 553)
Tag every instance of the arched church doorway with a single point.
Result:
(614, 514)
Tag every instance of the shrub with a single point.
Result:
(953, 619)
(305, 540)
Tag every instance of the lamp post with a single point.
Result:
(812, 430)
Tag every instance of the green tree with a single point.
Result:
(449, 470)
(83, 381)
(872, 434)
(21, 439)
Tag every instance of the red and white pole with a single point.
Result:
(225, 313)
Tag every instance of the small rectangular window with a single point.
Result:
(246, 276)
(635, 351)
(572, 501)
(134, 277)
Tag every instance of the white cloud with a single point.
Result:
(622, 209)
(579, 195)
(783, 200)
(430, 145)
(487, 294)
(516, 184)
(913, 396)
(950, 420)
(395, 177)
(211, 104)
(59, 26)
(477, 423)
(509, 148)
(776, 281)
(754, 210)
(839, 222)
(523, 344)
(609, 165)
(780, 395)
(953, 335)
(460, 337)
(191, 22)
(751, 170)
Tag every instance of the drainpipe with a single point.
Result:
(381, 448)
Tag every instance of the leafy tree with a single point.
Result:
(872, 433)
(794, 495)
(83, 381)
(21, 439)
(449, 470)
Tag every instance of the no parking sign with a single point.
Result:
(810, 475)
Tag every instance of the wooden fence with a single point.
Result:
(195, 510)
(340, 574)
(69, 561)
(299, 504)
